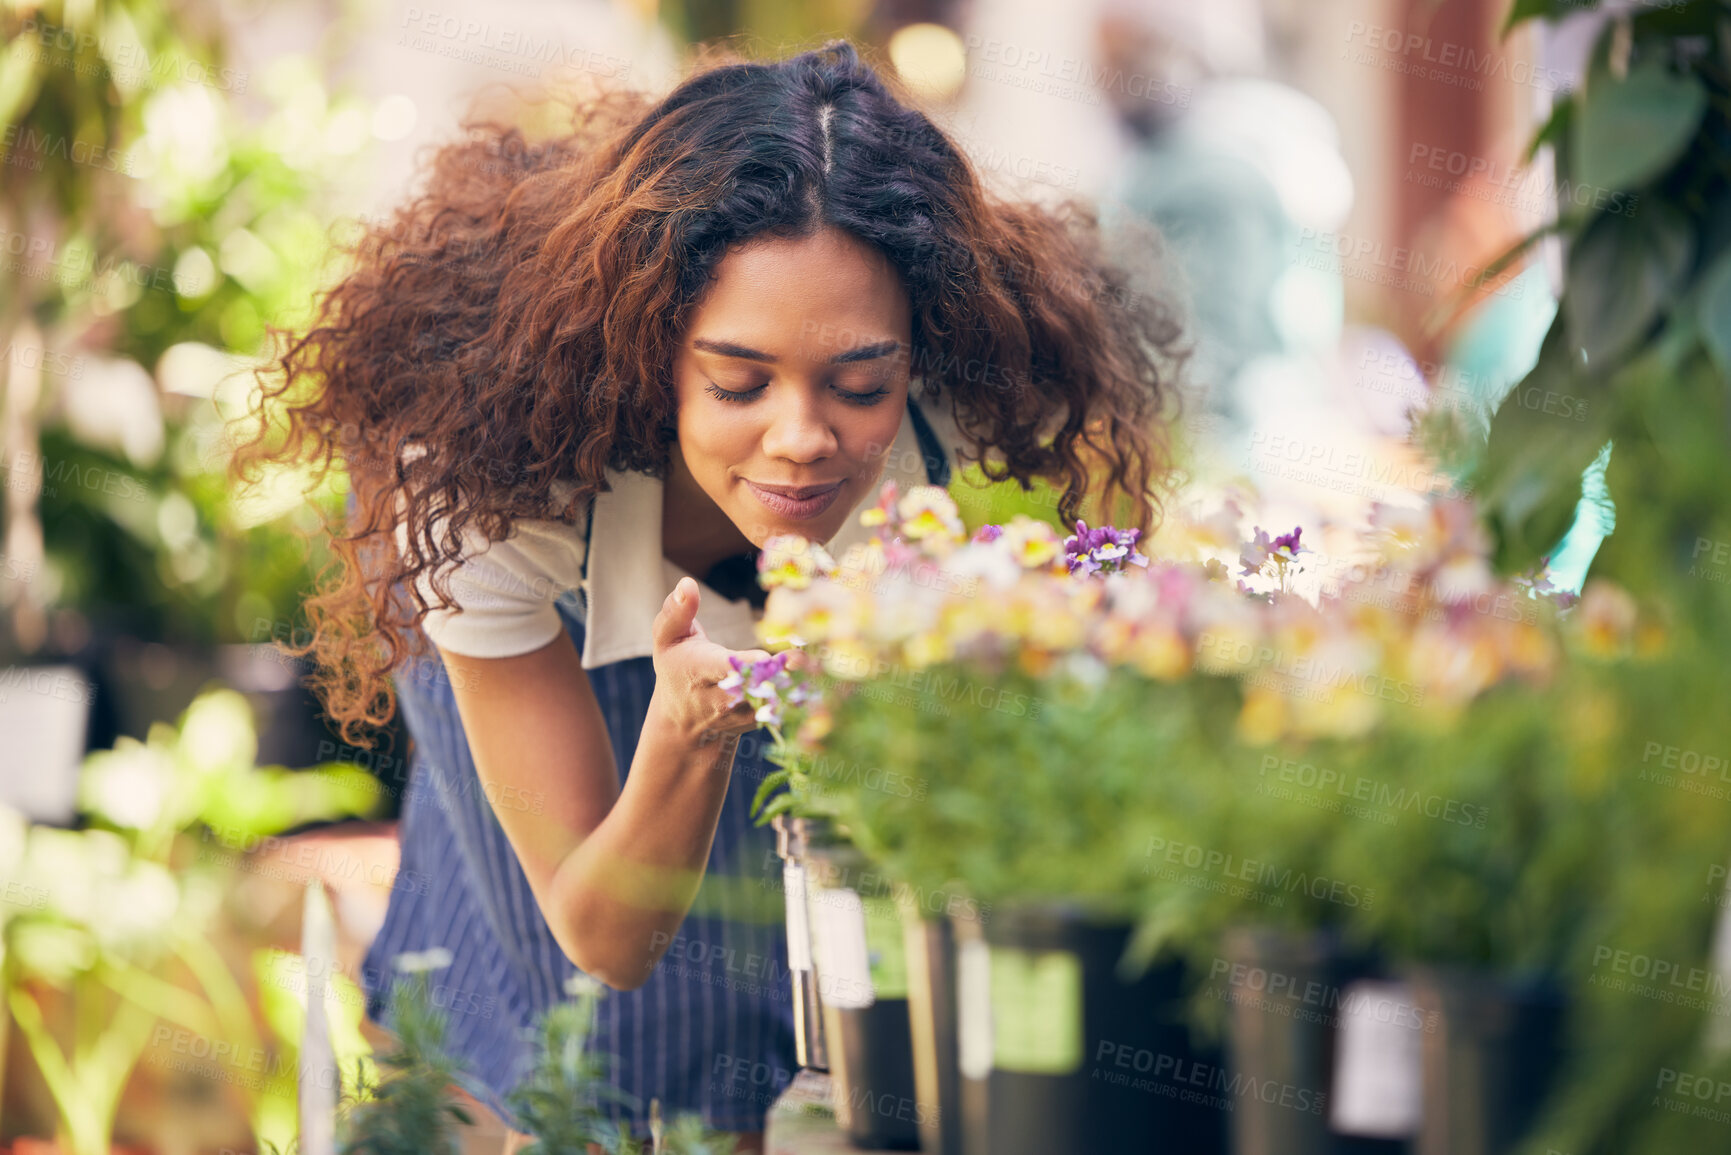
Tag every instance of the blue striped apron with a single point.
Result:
(710, 1032)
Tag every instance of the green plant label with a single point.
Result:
(886, 949)
(1036, 1000)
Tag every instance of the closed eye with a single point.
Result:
(721, 394)
(742, 395)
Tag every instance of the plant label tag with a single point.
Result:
(838, 938)
(1377, 1088)
(886, 949)
(974, 1009)
(1036, 1011)
(798, 924)
(1718, 1034)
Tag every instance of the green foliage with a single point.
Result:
(410, 1109)
(159, 217)
(1645, 295)
(561, 1101)
(1035, 788)
(566, 1101)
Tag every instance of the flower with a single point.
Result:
(767, 685)
(1105, 549)
(1032, 543)
(787, 559)
(928, 513)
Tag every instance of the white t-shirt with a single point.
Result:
(507, 589)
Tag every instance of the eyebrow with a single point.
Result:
(859, 353)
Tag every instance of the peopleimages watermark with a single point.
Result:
(748, 1078)
(724, 965)
(46, 681)
(1444, 61)
(38, 475)
(1355, 471)
(26, 147)
(1261, 880)
(1066, 77)
(123, 60)
(1660, 979)
(1684, 769)
(1310, 1000)
(47, 360)
(75, 264)
(1717, 567)
(1276, 669)
(1355, 795)
(1441, 387)
(1364, 258)
(291, 859)
(1176, 1077)
(1512, 185)
(521, 50)
(426, 669)
(222, 1060)
(1685, 1093)
(297, 974)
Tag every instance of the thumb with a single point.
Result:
(678, 616)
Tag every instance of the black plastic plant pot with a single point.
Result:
(1490, 1062)
(931, 944)
(862, 981)
(1058, 1052)
(1284, 994)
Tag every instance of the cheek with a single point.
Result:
(715, 441)
(870, 436)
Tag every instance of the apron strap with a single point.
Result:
(931, 449)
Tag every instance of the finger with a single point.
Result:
(678, 616)
(800, 662)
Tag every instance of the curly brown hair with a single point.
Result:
(513, 326)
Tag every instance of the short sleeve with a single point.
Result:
(507, 589)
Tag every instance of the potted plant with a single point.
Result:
(1084, 654)
(985, 826)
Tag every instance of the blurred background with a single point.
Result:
(1333, 178)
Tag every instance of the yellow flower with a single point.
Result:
(928, 511)
(1032, 543)
(791, 560)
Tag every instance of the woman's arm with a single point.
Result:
(613, 870)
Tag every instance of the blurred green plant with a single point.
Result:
(118, 914)
(156, 228)
(409, 1109)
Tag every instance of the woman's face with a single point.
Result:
(792, 381)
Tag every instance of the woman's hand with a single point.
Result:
(687, 667)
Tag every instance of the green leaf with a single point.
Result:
(1523, 10)
(1529, 481)
(1622, 272)
(1629, 132)
(767, 787)
(1714, 312)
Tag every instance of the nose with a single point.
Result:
(799, 430)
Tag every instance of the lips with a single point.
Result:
(796, 502)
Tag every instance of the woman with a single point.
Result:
(577, 384)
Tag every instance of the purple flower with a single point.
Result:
(988, 533)
(766, 685)
(1101, 550)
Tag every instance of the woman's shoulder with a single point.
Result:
(503, 591)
